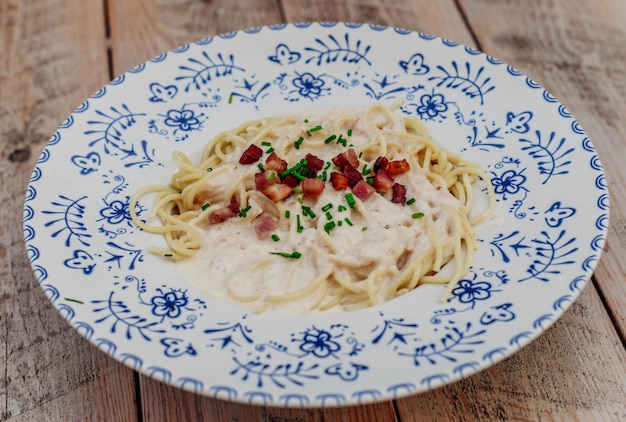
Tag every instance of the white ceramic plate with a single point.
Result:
(92, 262)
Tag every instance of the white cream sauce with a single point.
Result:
(233, 258)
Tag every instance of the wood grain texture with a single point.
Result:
(575, 49)
(164, 25)
(52, 57)
(433, 17)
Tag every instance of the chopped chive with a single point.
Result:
(299, 226)
(387, 226)
(230, 98)
(293, 169)
(342, 140)
(287, 213)
(315, 128)
(210, 169)
(261, 166)
(349, 132)
(205, 206)
(306, 120)
(294, 255)
(360, 154)
(299, 177)
(169, 255)
(298, 142)
(308, 133)
(350, 200)
(339, 223)
(370, 180)
(308, 212)
(341, 208)
(328, 164)
(329, 226)
(74, 300)
(417, 215)
(324, 175)
(297, 190)
(270, 150)
(366, 171)
(363, 229)
(275, 238)
(271, 176)
(330, 139)
(410, 201)
(329, 216)
(266, 144)
(244, 211)
(327, 207)
(348, 222)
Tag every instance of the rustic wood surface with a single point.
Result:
(55, 53)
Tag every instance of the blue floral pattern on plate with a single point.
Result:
(92, 262)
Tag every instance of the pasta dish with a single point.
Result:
(329, 209)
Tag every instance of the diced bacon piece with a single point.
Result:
(313, 187)
(339, 181)
(363, 190)
(263, 180)
(277, 191)
(397, 167)
(352, 158)
(398, 194)
(383, 181)
(340, 160)
(264, 224)
(290, 180)
(220, 215)
(313, 164)
(381, 163)
(274, 163)
(251, 155)
(353, 175)
(348, 157)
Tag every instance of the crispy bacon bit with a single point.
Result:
(313, 187)
(363, 190)
(221, 214)
(339, 181)
(352, 158)
(290, 180)
(340, 160)
(381, 163)
(397, 167)
(251, 155)
(264, 224)
(275, 163)
(399, 194)
(383, 181)
(263, 180)
(353, 175)
(313, 164)
(277, 191)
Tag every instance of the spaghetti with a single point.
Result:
(335, 209)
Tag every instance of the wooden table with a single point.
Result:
(55, 53)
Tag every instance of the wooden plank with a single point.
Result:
(575, 49)
(432, 17)
(168, 25)
(52, 57)
(168, 403)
